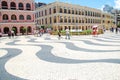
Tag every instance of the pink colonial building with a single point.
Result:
(17, 15)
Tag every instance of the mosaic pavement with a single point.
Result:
(47, 58)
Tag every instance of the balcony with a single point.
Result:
(17, 21)
(4, 7)
(21, 8)
(28, 8)
(13, 8)
(5, 21)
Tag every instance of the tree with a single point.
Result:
(24, 30)
(108, 8)
(15, 31)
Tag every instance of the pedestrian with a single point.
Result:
(119, 29)
(9, 34)
(95, 30)
(12, 33)
(59, 35)
(67, 34)
(112, 29)
(40, 32)
(116, 30)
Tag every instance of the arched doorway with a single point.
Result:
(65, 27)
(29, 29)
(69, 28)
(86, 28)
(21, 29)
(15, 30)
(82, 27)
(6, 30)
(0, 29)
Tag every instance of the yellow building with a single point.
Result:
(59, 16)
(107, 20)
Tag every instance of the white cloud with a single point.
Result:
(102, 7)
(117, 4)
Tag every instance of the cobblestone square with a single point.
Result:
(83, 57)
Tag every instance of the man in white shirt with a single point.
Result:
(67, 34)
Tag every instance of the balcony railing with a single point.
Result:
(21, 8)
(4, 7)
(13, 8)
(16, 21)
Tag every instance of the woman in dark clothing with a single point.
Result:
(9, 34)
(59, 34)
(116, 30)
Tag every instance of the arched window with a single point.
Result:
(69, 11)
(61, 10)
(79, 12)
(79, 20)
(50, 11)
(4, 5)
(73, 20)
(13, 5)
(21, 7)
(55, 19)
(28, 6)
(13, 17)
(54, 10)
(65, 19)
(45, 12)
(86, 13)
(82, 12)
(76, 20)
(28, 17)
(86, 20)
(61, 19)
(69, 20)
(21, 17)
(76, 12)
(5, 17)
(50, 20)
(82, 20)
(72, 11)
(65, 10)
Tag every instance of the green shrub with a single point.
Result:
(85, 32)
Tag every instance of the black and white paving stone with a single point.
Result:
(47, 58)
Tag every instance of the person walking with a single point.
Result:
(59, 35)
(116, 30)
(12, 33)
(111, 29)
(67, 34)
(9, 34)
(94, 31)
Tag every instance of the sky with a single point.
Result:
(98, 4)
